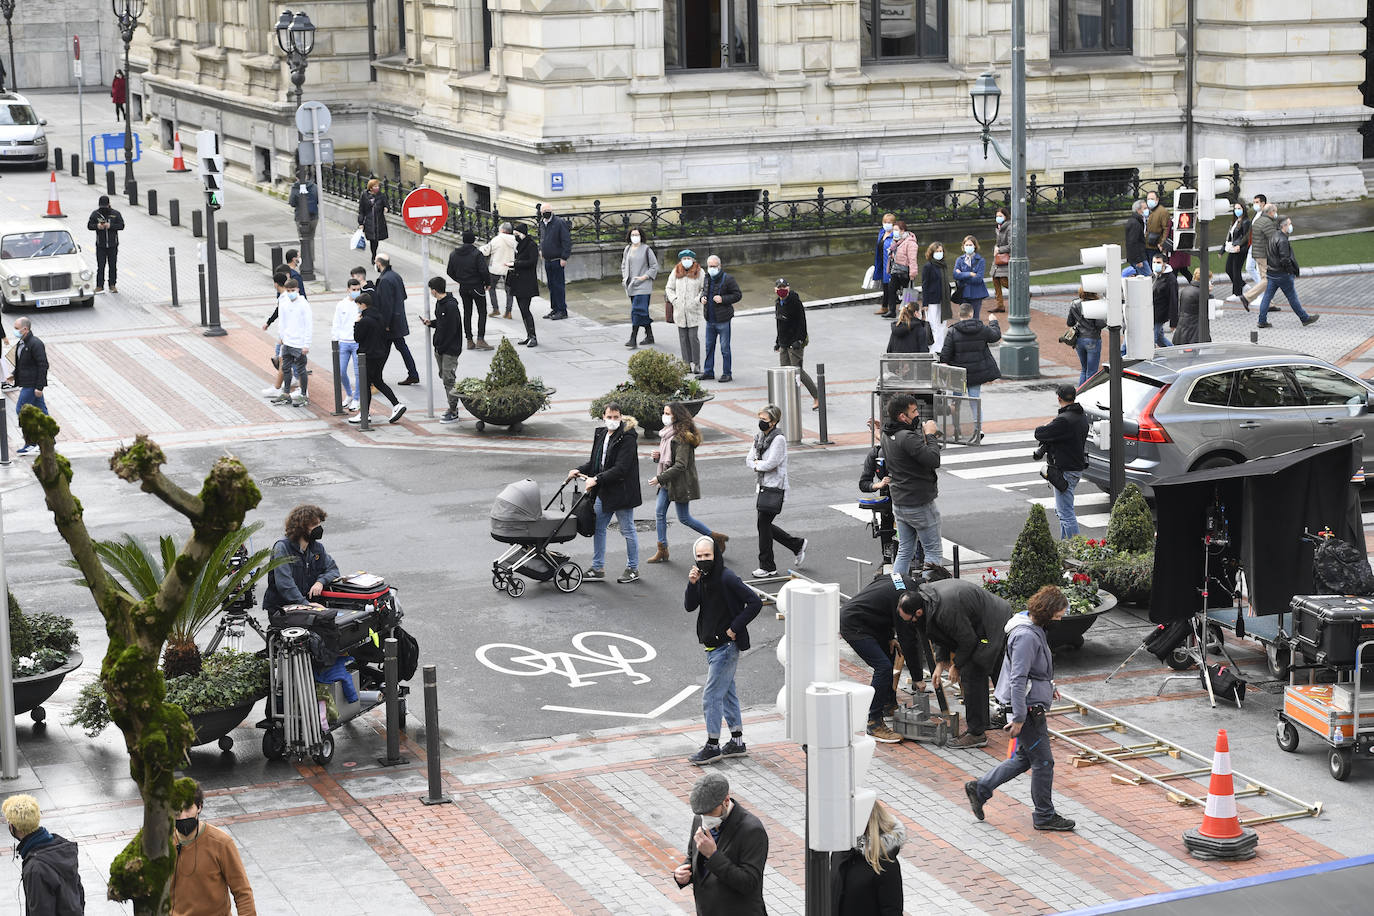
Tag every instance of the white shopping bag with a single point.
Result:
(359, 240)
(868, 280)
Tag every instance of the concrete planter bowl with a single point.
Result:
(1069, 632)
(511, 421)
(216, 724)
(31, 692)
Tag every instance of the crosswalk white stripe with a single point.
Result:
(182, 383)
(1367, 518)
(947, 548)
(151, 417)
(76, 419)
(968, 456)
(1000, 470)
(1080, 500)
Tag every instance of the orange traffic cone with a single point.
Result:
(1221, 836)
(54, 208)
(178, 163)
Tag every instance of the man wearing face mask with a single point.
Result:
(1165, 297)
(297, 330)
(1282, 268)
(390, 297)
(612, 475)
(30, 374)
(911, 455)
(50, 873)
(1135, 238)
(726, 853)
(107, 223)
(208, 868)
(341, 331)
(790, 344)
(1156, 224)
(882, 265)
(719, 294)
(1262, 228)
(555, 245)
(311, 566)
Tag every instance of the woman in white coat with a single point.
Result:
(683, 293)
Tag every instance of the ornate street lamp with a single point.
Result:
(7, 7)
(987, 104)
(296, 38)
(127, 13)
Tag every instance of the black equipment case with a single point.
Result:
(365, 604)
(1328, 628)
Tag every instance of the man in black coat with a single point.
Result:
(1189, 301)
(966, 345)
(869, 623)
(1135, 239)
(30, 375)
(1064, 440)
(1281, 268)
(467, 267)
(555, 244)
(107, 223)
(1165, 293)
(718, 298)
(390, 297)
(447, 326)
(790, 344)
(526, 280)
(370, 333)
(612, 474)
(966, 625)
(726, 853)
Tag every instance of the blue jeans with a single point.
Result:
(348, 368)
(1278, 281)
(555, 275)
(639, 311)
(683, 515)
(913, 523)
(1089, 357)
(1161, 339)
(626, 519)
(716, 329)
(1063, 506)
(26, 396)
(719, 700)
(1032, 753)
(875, 656)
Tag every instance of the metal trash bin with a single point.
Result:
(783, 382)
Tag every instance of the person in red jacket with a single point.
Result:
(119, 94)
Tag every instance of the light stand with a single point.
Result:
(7, 7)
(126, 14)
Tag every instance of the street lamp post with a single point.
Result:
(7, 7)
(296, 38)
(127, 13)
(1019, 353)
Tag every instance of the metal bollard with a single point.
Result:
(1254, 337)
(436, 794)
(364, 394)
(109, 183)
(4, 437)
(820, 396)
(248, 252)
(172, 265)
(90, 173)
(56, 158)
(76, 166)
(277, 257)
(391, 671)
(131, 188)
(174, 212)
(222, 230)
(338, 381)
(152, 201)
(204, 313)
(197, 223)
(956, 561)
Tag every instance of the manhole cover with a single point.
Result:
(288, 480)
(1043, 386)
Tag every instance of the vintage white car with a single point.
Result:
(41, 267)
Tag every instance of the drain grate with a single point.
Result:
(288, 480)
(1043, 386)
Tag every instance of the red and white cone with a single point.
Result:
(1221, 836)
(178, 163)
(54, 208)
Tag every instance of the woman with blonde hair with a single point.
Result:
(868, 878)
(683, 295)
(372, 214)
(968, 274)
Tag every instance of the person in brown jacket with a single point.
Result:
(1156, 224)
(208, 868)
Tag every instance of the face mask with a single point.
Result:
(317, 533)
(764, 426)
(887, 227)
(687, 263)
(939, 255)
(711, 823)
(19, 335)
(353, 293)
(667, 419)
(1001, 219)
(187, 825)
(520, 235)
(1152, 204)
(547, 216)
(634, 239)
(292, 296)
(782, 293)
(705, 567)
(613, 425)
(968, 249)
(1289, 229)
(1157, 267)
(1257, 207)
(1239, 212)
(713, 271)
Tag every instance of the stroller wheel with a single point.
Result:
(568, 576)
(515, 587)
(480, 425)
(498, 581)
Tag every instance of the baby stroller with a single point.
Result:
(519, 518)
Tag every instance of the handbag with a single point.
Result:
(900, 275)
(1001, 258)
(1069, 338)
(359, 239)
(770, 500)
(584, 511)
(668, 311)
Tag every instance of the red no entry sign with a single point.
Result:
(425, 211)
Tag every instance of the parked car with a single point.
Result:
(1212, 405)
(22, 138)
(41, 267)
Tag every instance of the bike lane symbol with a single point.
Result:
(599, 655)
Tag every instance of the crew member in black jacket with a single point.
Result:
(726, 853)
(612, 474)
(390, 297)
(1282, 268)
(30, 375)
(869, 623)
(1064, 440)
(373, 345)
(790, 344)
(107, 222)
(467, 267)
(447, 326)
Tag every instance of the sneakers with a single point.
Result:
(558, 316)
(271, 392)
(1264, 324)
(801, 554)
(762, 573)
(481, 344)
(357, 419)
(26, 450)
(970, 740)
(734, 748)
(396, 413)
(628, 576)
(975, 801)
(882, 734)
(1310, 319)
(709, 753)
(726, 378)
(284, 399)
(351, 404)
(594, 574)
(450, 416)
(300, 401)
(1058, 823)
(113, 288)
(100, 289)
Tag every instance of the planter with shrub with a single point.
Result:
(507, 396)
(42, 653)
(1124, 561)
(656, 379)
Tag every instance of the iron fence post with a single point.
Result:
(767, 211)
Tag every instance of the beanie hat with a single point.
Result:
(708, 793)
(23, 815)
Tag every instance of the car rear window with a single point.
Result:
(1136, 392)
(36, 244)
(21, 115)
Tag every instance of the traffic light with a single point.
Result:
(211, 167)
(1107, 284)
(839, 753)
(809, 649)
(1212, 187)
(1185, 219)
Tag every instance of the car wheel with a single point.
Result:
(1215, 461)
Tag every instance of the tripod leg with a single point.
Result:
(1124, 663)
(1200, 635)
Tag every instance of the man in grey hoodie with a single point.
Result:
(1027, 685)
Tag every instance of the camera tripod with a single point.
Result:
(230, 629)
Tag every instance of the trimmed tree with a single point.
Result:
(1035, 558)
(157, 734)
(1131, 527)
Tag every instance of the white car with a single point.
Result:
(22, 139)
(41, 267)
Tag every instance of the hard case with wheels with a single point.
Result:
(1328, 628)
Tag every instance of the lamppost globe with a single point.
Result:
(302, 32)
(282, 26)
(987, 99)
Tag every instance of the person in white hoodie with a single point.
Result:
(345, 314)
(296, 327)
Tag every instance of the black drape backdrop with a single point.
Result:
(1267, 505)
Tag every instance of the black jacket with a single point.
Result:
(1239, 234)
(291, 583)
(1066, 437)
(389, 297)
(372, 215)
(1166, 298)
(966, 344)
(106, 238)
(52, 882)
(936, 290)
(617, 473)
(965, 621)
(370, 333)
(526, 285)
(790, 317)
(448, 326)
(911, 458)
(1090, 328)
(860, 891)
(1135, 239)
(872, 614)
(1280, 258)
(730, 882)
(916, 337)
(555, 242)
(312, 198)
(467, 266)
(724, 286)
(726, 603)
(31, 363)
(1189, 300)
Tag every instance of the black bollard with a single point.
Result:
(391, 671)
(174, 212)
(152, 201)
(364, 395)
(204, 311)
(90, 173)
(820, 396)
(76, 166)
(172, 265)
(197, 223)
(436, 794)
(4, 438)
(248, 253)
(338, 379)
(277, 257)
(222, 230)
(56, 158)
(109, 183)
(956, 561)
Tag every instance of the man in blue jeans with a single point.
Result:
(1282, 268)
(724, 606)
(555, 246)
(612, 475)
(30, 374)
(869, 623)
(1064, 441)
(718, 298)
(911, 454)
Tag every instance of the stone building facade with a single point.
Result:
(509, 102)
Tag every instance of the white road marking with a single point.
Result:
(682, 694)
(968, 456)
(1000, 470)
(150, 416)
(1080, 500)
(947, 548)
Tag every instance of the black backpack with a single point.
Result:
(1339, 568)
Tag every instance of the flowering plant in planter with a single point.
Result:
(1081, 592)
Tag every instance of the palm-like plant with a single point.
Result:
(141, 571)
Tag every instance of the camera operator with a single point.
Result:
(311, 566)
(1064, 440)
(911, 453)
(874, 480)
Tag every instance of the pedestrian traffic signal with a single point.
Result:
(839, 753)
(809, 649)
(1212, 187)
(211, 167)
(1185, 219)
(1107, 284)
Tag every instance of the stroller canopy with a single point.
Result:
(518, 502)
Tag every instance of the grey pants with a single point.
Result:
(448, 374)
(690, 341)
(792, 356)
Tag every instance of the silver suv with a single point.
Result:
(1211, 405)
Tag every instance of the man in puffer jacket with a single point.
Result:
(966, 345)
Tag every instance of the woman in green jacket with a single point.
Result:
(677, 476)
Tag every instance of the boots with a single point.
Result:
(648, 336)
(633, 342)
(661, 555)
(481, 344)
(507, 314)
